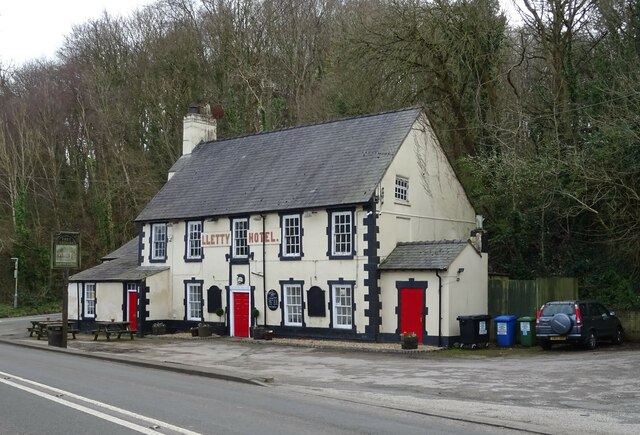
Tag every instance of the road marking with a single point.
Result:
(93, 412)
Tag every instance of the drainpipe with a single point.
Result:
(264, 269)
(439, 308)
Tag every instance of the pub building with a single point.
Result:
(353, 229)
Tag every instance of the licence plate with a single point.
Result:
(558, 338)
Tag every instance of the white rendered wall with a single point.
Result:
(73, 300)
(466, 293)
(438, 207)
(109, 301)
(314, 268)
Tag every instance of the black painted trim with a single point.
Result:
(412, 283)
(298, 257)
(341, 281)
(140, 244)
(329, 232)
(231, 258)
(143, 303)
(372, 273)
(186, 242)
(166, 242)
(125, 301)
(282, 302)
(193, 280)
(83, 292)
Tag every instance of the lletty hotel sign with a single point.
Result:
(223, 238)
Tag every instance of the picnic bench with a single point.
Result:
(41, 328)
(113, 328)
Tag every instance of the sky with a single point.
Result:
(35, 29)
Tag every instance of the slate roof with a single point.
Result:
(127, 248)
(333, 163)
(120, 265)
(436, 255)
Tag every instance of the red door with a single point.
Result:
(241, 314)
(132, 308)
(411, 309)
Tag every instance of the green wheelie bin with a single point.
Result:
(527, 331)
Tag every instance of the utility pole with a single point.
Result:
(15, 276)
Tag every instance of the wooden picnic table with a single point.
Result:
(41, 327)
(109, 328)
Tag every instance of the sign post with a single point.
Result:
(15, 276)
(65, 248)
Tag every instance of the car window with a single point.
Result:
(584, 309)
(553, 309)
(602, 308)
(595, 310)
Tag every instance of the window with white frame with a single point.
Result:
(194, 242)
(159, 241)
(342, 233)
(90, 300)
(291, 235)
(342, 306)
(194, 301)
(292, 304)
(240, 247)
(402, 189)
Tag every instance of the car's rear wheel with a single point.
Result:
(545, 344)
(591, 342)
(618, 337)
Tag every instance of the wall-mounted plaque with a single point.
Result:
(272, 300)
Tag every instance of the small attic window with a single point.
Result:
(402, 189)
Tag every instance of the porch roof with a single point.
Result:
(434, 255)
(119, 265)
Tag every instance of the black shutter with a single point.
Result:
(214, 298)
(317, 305)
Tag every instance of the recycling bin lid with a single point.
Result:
(505, 318)
(474, 317)
(526, 319)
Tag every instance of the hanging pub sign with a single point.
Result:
(65, 250)
(272, 300)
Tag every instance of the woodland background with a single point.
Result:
(540, 116)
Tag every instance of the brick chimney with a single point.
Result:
(198, 126)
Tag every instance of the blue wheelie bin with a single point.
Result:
(506, 330)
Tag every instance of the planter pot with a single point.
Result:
(204, 331)
(268, 335)
(219, 329)
(258, 332)
(194, 331)
(409, 342)
(158, 330)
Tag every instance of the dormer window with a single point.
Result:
(402, 189)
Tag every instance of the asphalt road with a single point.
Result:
(566, 389)
(46, 392)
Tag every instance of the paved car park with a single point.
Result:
(591, 391)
